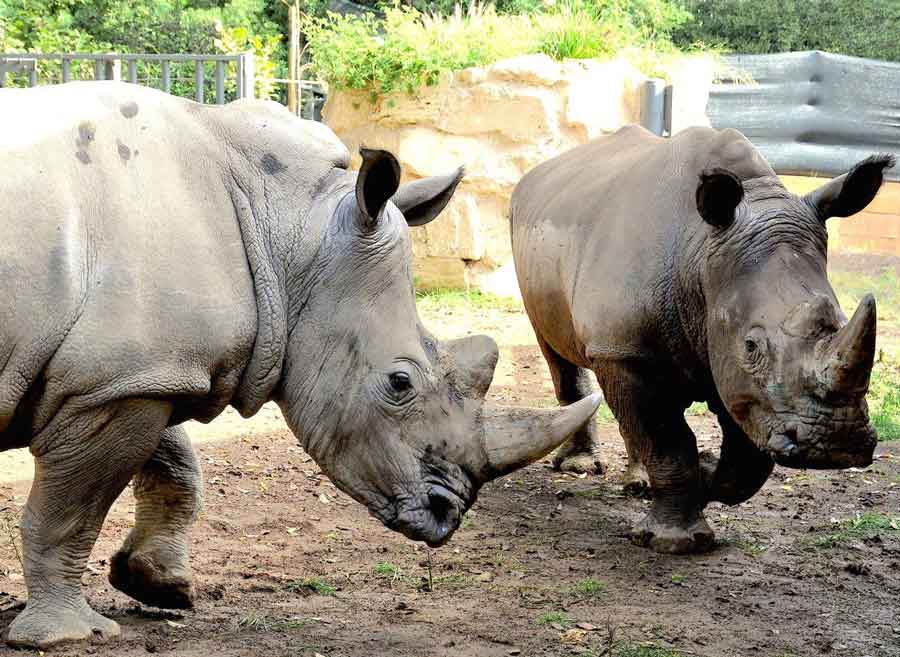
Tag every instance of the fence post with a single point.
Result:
(247, 75)
(113, 69)
(653, 105)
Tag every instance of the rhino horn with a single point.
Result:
(515, 437)
(850, 353)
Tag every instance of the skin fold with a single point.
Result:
(681, 270)
(163, 260)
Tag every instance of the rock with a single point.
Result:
(499, 121)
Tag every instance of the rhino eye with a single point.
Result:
(400, 381)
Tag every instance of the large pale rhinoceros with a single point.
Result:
(681, 270)
(162, 260)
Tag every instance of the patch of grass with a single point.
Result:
(697, 408)
(605, 414)
(385, 568)
(863, 526)
(312, 585)
(455, 300)
(590, 587)
(555, 618)
(261, 623)
(749, 548)
(677, 578)
(850, 287)
(884, 399)
(407, 49)
(455, 581)
(468, 520)
(643, 650)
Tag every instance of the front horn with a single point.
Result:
(850, 353)
(515, 437)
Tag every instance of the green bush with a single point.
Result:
(408, 49)
(864, 28)
(153, 26)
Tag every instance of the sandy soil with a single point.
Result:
(789, 578)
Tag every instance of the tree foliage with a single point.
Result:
(863, 28)
(148, 26)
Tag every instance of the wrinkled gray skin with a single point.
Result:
(162, 260)
(681, 270)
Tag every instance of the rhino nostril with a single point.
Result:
(440, 502)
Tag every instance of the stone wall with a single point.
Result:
(500, 122)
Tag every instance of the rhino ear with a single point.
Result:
(853, 191)
(718, 195)
(422, 201)
(377, 182)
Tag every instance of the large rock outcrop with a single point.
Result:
(500, 121)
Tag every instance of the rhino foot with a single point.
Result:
(46, 626)
(579, 459)
(147, 579)
(668, 538)
(635, 481)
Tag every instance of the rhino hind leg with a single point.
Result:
(84, 459)
(739, 471)
(653, 423)
(152, 565)
(581, 453)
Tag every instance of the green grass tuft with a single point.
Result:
(644, 650)
(591, 587)
(446, 299)
(312, 585)
(260, 623)
(863, 526)
(555, 618)
(884, 399)
(385, 568)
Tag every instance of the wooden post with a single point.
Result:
(198, 81)
(294, 57)
(248, 75)
(113, 69)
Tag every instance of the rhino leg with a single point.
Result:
(581, 453)
(83, 461)
(635, 480)
(654, 424)
(152, 565)
(740, 470)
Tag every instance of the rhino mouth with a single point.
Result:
(431, 516)
(823, 446)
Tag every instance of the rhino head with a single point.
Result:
(393, 416)
(788, 365)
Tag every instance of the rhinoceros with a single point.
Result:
(682, 270)
(162, 260)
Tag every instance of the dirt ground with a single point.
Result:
(287, 565)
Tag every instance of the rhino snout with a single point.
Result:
(825, 445)
(431, 517)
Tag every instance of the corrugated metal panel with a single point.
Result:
(811, 112)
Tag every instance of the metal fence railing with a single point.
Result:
(202, 77)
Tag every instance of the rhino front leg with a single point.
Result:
(653, 423)
(741, 468)
(581, 453)
(152, 565)
(83, 461)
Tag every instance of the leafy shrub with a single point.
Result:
(154, 26)
(864, 28)
(408, 49)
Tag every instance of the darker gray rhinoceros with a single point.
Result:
(681, 270)
(162, 260)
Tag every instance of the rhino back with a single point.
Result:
(601, 236)
(124, 270)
